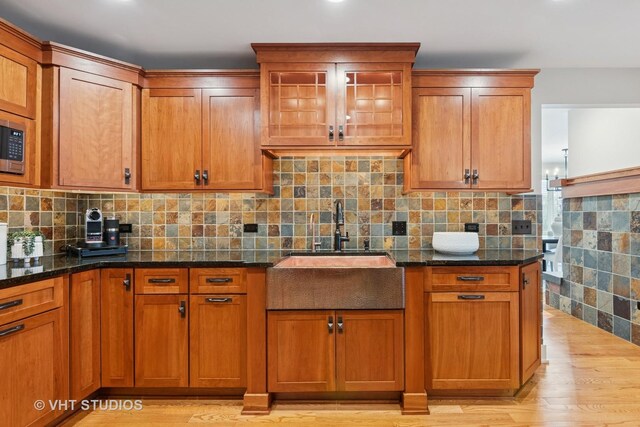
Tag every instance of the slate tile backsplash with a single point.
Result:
(370, 188)
(602, 263)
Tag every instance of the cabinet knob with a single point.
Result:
(330, 133)
(525, 281)
(475, 176)
(196, 176)
(183, 309)
(205, 176)
(127, 176)
(340, 325)
(330, 324)
(127, 282)
(467, 176)
(340, 133)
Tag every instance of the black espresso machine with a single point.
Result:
(101, 236)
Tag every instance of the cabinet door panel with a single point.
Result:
(96, 131)
(218, 341)
(374, 104)
(501, 137)
(161, 341)
(35, 367)
(472, 343)
(231, 146)
(369, 350)
(84, 333)
(530, 321)
(298, 104)
(116, 319)
(171, 138)
(441, 138)
(17, 83)
(300, 351)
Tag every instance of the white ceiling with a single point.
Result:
(453, 33)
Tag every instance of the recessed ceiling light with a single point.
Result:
(335, 1)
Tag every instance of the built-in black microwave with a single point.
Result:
(11, 147)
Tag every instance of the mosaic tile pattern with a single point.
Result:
(601, 263)
(54, 213)
(369, 187)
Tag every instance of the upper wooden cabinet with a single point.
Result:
(319, 97)
(471, 130)
(17, 83)
(199, 138)
(90, 121)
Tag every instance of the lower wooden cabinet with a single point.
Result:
(326, 350)
(84, 333)
(34, 360)
(472, 341)
(218, 341)
(161, 341)
(116, 319)
(530, 321)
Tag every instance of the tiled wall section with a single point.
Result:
(601, 263)
(370, 187)
(52, 212)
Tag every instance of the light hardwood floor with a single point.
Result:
(593, 379)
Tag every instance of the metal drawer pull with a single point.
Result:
(11, 330)
(10, 304)
(340, 324)
(162, 280)
(330, 324)
(219, 280)
(218, 299)
(471, 297)
(183, 309)
(470, 278)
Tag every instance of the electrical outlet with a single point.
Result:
(399, 228)
(250, 228)
(521, 227)
(472, 227)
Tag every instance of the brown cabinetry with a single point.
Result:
(89, 130)
(116, 319)
(218, 341)
(323, 97)
(317, 351)
(34, 352)
(161, 327)
(194, 138)
(18, 75)
(530, 321)
(482, 328)
(471, 341)
(471, 131)
(84, 333)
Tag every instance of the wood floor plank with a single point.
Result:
(592, 379)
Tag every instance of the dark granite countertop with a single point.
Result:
(50, 266)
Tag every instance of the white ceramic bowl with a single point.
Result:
(455, 242)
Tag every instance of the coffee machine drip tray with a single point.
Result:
(82, 250)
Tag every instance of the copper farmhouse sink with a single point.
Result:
(301, 282)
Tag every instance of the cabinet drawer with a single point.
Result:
(161, 280)
(33, 298)
(218, 280)
(472, 279)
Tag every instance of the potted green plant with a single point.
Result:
(26, 244)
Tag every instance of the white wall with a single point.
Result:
(577, 86)
(603, 139)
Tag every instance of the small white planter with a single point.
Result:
(17, 252)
